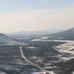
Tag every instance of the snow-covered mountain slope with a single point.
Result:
(64, 35)
(5, 40)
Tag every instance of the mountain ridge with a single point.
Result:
(65, 35)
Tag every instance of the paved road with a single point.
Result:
(24, 57)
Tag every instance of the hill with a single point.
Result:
(5, 40)
(65, 35)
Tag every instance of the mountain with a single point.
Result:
(30, 34)
(65, 35)
(4, 38)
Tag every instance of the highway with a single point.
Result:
(24, 57)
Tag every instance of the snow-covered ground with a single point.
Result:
(2, 73)
(16, 43)
(67, 50)
(50, 72)
(52, 40)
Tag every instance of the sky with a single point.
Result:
(36, 15)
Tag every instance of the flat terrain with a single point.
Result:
(11, 61)
(37, 55)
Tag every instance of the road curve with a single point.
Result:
(24, 57)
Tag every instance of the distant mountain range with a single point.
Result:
(28, 34)
(64, 35)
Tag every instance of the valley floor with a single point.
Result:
(56, 56)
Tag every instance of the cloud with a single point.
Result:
(37, 19)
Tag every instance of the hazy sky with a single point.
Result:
(33, 15)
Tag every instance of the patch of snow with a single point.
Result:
(50, 72)
(31, 47)
(53, 40)
(2, 73)
(33, 57)
(66, 48)
(44, 38)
